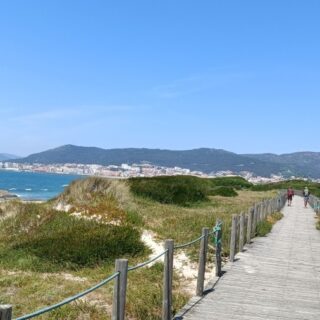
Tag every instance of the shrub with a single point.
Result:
(263, 228)
(223, 191)
(274, 217)
(67, 241)
(180, 190)
(295, 184)
(235, 182)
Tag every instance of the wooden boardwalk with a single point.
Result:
(276, 277)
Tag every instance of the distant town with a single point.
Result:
(127, 171)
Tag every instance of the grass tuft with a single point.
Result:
(40, 235)
(264, 227)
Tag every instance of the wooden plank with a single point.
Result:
(277, 277)
(202, 261)
(249, 225)
(120, 289)
(5, 312)
(234, 223)
(167, 280)
(241, 232)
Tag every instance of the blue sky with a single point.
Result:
(238, 75)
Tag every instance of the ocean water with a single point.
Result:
(35, 186)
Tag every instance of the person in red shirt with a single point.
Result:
(290, 194)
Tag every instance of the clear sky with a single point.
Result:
(179, 74)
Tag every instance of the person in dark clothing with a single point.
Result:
(290, 194)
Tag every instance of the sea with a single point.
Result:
(35, 186)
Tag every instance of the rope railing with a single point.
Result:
(181, 246)
(143, 264)
(256, 214)
(104, 282)
(68, 300)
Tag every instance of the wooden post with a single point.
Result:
(263, 206)
(249, 225)
(202, 261)
(241, 233)
(218, 236)
(237, 234)
(256, 213)
(5, 312)
(254, 221)
(234, 223)
(120, 289)
(167, 281)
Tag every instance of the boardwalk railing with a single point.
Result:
(243, 226)
(243, 229)
(314, 201)
(121, 272)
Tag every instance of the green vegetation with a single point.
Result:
(223, 191)
(48, 255)
(180, 190)
(57, 240)
(265, 226)
(186, 190)
(97, 196)
(235, 182)
(313, 187)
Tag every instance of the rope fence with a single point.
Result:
(68, 300)
(243, 228)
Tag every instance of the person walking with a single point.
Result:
(290, 194)
(306, 194)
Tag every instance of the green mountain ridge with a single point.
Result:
(207, 160)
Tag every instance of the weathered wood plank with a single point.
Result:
(277, 277)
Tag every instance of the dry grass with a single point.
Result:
(30, 290)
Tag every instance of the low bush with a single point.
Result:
(180, 190)
(274, 217)
(67, 241)
(313, 187)
(234, 182)
(265, 226)
(186, 190)
(223, 191)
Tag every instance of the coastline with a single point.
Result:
(31, 186)
(6, 195)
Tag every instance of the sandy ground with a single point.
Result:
(186, 269)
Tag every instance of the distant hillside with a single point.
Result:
(306, 164)
(204, 159)
(299, 163)
(6, 156)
